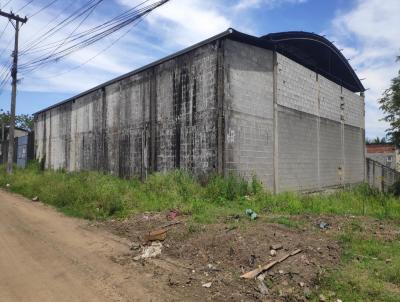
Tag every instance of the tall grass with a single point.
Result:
(94, 195)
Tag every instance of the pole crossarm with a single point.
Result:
(12, 16)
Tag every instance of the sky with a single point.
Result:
(367, 31)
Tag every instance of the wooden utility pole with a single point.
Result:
(18, 20)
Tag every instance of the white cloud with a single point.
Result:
(184, 22)
(251, 4)
(369, 34)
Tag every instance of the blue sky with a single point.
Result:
(368, 31)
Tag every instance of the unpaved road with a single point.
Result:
(46, 256)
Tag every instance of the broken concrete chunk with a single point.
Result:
(262, 288)
(276, 247)
(150, 251)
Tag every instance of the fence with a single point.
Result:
(380, 176)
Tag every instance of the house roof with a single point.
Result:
(381, 148)
(311, 50)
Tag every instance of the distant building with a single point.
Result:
(387, 154)
(285, 107)
(23, 144)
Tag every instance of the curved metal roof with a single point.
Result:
(317, 53)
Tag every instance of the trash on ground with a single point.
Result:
(323, 225)
(253, 215)
(272, 253)
(156, 235)
(207, 285)
(35, 198)
(172, 214)
(8, 185)
(254, 273)
(150, 251)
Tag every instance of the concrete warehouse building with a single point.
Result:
(286, 107)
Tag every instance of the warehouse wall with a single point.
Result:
(320, 130)
(159, 119)
(248, 102)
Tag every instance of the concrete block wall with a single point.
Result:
(248, 102)
(331, 140)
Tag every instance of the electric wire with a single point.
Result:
(91, 39)
(42, 9)
(95, 56)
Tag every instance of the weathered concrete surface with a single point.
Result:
(224, 107)
(160, 119)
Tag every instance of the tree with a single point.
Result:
(390, 105)
(22, 121)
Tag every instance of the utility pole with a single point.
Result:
(18, 20)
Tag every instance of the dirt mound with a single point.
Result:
(205, 262)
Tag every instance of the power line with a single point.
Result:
(96, 55)
(7, 3)
(4, 29)
(43, 8)
(72, 17)
(25, 5)
(87, 41)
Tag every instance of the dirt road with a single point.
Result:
(45, 256)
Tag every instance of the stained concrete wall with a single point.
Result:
(225, 106)
(248, 102)
(320, 130)
(159, 119)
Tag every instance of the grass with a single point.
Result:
(370, 268)
(94, 195)
(365, 273)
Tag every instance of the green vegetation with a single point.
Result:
(94, 195)
(370, 269)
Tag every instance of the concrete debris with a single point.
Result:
(276, 247)
(262, 288)
(150, 251)
(272, 253)
(207, 285)
(35, 198)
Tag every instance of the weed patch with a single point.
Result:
(95, 195)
